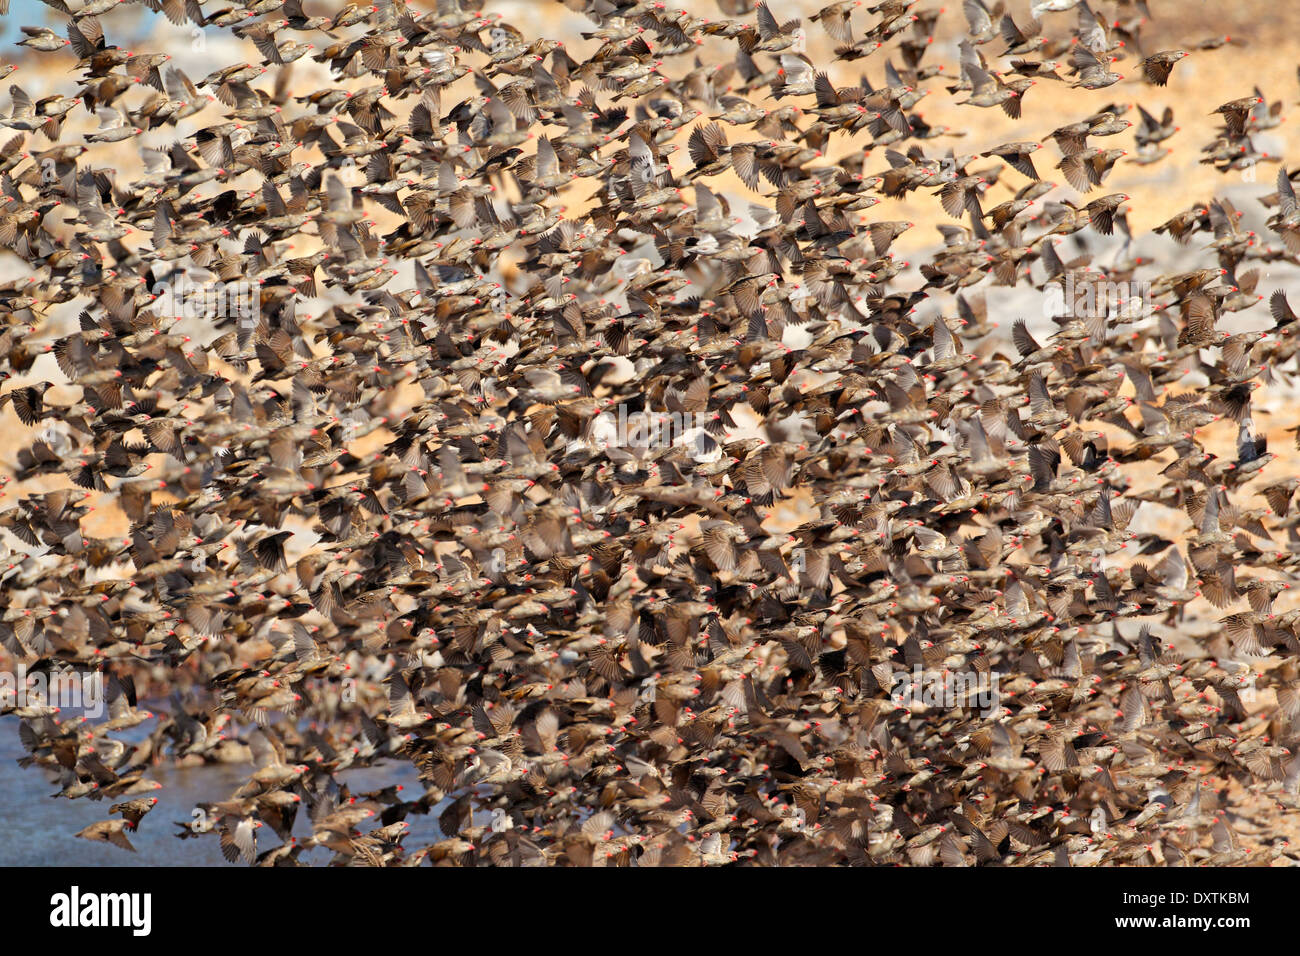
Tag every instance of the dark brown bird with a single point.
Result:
(133, 811)
(1157, 66)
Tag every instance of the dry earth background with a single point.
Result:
(1264, 53)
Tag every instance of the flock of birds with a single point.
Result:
(602, 652)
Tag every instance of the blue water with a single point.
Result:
(37, 830)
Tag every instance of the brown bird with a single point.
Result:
(1102, 212)
(108, 831)
(1093, 71)
(133, 811)
(1235, 113)
(1017, 155)
(1157, 66)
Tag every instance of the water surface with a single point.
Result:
(39, 830)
